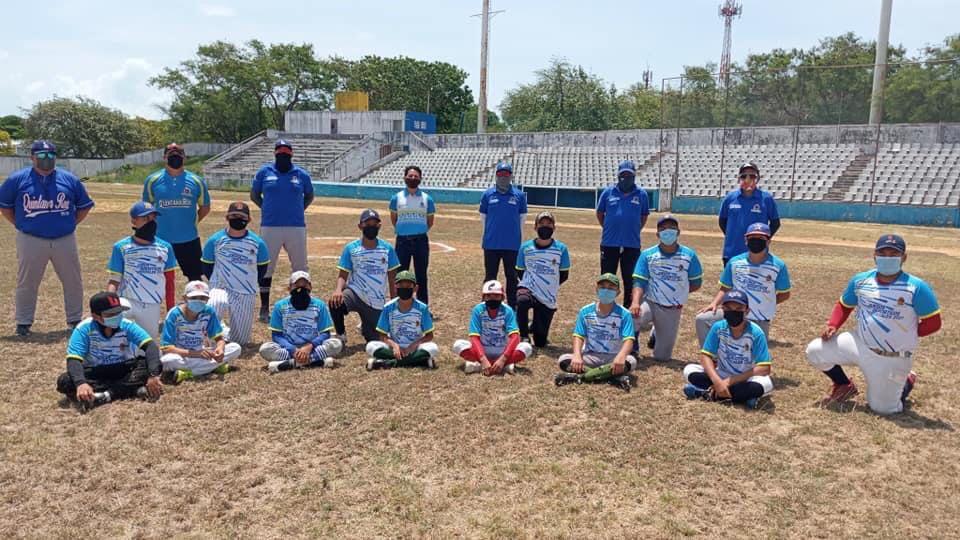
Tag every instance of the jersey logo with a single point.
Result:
(513, 200)
(187, 191)
(900, 301)
(295, 180)
(768, 278)
(635, 200)
(735, 206)
(755, 209)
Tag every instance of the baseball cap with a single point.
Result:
(143, 208)
(174, 148)
(492, 287)
(894, 241)
(758, 228)
(298, 275)
(737, 297)
(282, 147)
(545, 215)
(626, 166)
(238, 208)
(668, 217)
(197, 289)
(610, 278)
(369, 213)
(504, 166)
(106, 304)
(42, 145)
(405, 275)
(749, 165)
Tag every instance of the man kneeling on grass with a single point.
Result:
(301, 328)
(494, 346)
(406, 330)
(109, 357)
(734, 362)
(603, 338)
(193, 343)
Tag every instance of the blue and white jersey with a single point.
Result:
(235, 261)
(603, 334)
(666, 277)
(368, 270)
(139, 268)
(888, 313)
(493, 331)
(734, 356)
(405, 327)
(740, 212)
(541, 269)
(412, 212)
(177, 198)
(301, 326)
(180, 332)
(283, 195)
(761, 282)
(44, 206)
(89, 345)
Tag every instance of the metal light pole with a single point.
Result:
(484, 42)
(880, 63)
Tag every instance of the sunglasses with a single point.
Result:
(748, 177)
(46, 155)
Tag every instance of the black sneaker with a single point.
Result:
(142, 393)
(567, 378)
(23, 330)
(622, 382)
(376, 363)
(264, 316)
(652, 342)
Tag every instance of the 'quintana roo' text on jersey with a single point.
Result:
(177, 198)
(541, 269)
(405, 327)
(235, 261)
(666, 277)
(734, 356)
(603, 334)
(368, 270)
(888, 314)
(493, 331)
(301, 326)
(761, 282)
(88, 344)
(182, 333)
(140, 268)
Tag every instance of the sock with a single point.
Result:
(384, 353)
(418, 358)
(837, 375)
(318, 355)
(598, 374)
(265, 285)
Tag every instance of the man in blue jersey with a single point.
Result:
(543, 264)
(622, 211)
(193, 341)
(406, 330)
(504, 209)
(300, 328)
(367, 270)
(283, 191)
(141, 269)
(183, 200)
(411, 212)
(45, 204)
(744, 206)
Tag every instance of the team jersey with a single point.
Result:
(493, 331)
(740, 212)
(734, 356)
(283, 195)
(623, 213)
(603, 334)
(666, 277)
(44, 206)
(761, 282)
(405, 327)
(412, 212)
(541, 269)
(89, 345)
(301, 326)
(140, 268)
(235, 261)
(177, 199)
(180, 332)
(368, 270)
(888, 313)
(502, 218)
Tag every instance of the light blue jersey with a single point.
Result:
(734, 356)
(666, 277)
(493, 331)
(888, 313)
(603, 334)
(177, 198)
(180, 332)
(541, 269)
(301, 326)
(235, 261)
(405, 327)
(761, 282)
(412, 211)
(90, 346)
(139, 268)
(368, 270)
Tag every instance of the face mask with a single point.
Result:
(544, 233)
(283, 162)
(371, 231)
(196, 306)
(405, 293)
(238, 224)
(148, 231)
(300, 298)
(493, 304)
(113, 322)
(412, 184)
(668, 236)
(175, 161)
(888, 266)
(47, 163)
(733, 318)
(626, 183)
(756, 245)
(503, 183)
(607, 296)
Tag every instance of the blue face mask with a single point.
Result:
(196, 306)
(888, 266)
(668, 236)
(113, 322)
(607, 296)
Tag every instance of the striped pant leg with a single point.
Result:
(242, 307)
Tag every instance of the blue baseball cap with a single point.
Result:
(369, 213)
(759, 228)
(142, 209)
(505, 166)
(626, 166)
(894, 241)
(737, 297)
(668, 217)
(42, 145)
(282, 143)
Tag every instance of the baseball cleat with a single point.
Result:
(622, 382)
(652, 342)
(222, 369)
(141, 393)
(279, 365)
(841, 392)
(472, 367)
(23, 330)
(567, 378)
(182, 375)
(694, 392)
(908, 386)
(510, 369)
(751, 403)
(431, 363)
(376, 363)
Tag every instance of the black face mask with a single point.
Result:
(493, 304)
(405, 293)
(626, 183)
(175, 161)
(733, 318)
(148, 231)
(238, 224)
(412, 184)
(756, 245)
(371, 231)
(300, 298)
(544, 233)
(283, 162)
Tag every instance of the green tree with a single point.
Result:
(6, 144)
(494, 124)
(82, 127)
(927, 92)
(638, 107)
(13, 125)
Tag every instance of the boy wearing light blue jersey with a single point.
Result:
(301, 328)
(406, 330)
(494, 346)
(543, 264)
(193, 341)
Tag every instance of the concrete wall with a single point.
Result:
(91, 167)
(348, 122)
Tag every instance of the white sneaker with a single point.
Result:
(472, 367)
(431, 363)
(509, 368)
(328, 362)
(274, 367)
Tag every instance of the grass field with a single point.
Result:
(412, 453)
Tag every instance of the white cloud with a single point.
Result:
(125, 88)
(4, 54)
(217, 10)
(34, 87)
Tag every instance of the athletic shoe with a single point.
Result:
(142, 393)
(168, 377)
(280, 365)
(567, 378)
(23, 330)
(376, 363)
(342, 338)
(510, 369)
(652, 342)
(222, 369)
(472, 367)
(264, 315)
(99, 398)
(525, 339)
(694, 392)
(751, 403)
(841, 392)
(182, 375)
(622, 382)
(431, 363)
(72, 324)
(908, 386)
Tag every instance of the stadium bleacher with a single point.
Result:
(911, 174)
(311, 153)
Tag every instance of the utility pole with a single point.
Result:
(484, 45)
(728, 11)
(880, 63)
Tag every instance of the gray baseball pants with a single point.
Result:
(292, 239)
(33, 254)
(665, 321)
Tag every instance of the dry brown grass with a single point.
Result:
(413, 453)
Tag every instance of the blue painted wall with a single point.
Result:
(421, 122)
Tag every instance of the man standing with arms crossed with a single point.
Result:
(744, 206)
(45, 204)
(622, 211)
(504, 209)
(411, 212)
(283, 191)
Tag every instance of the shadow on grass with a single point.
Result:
(39, 338)
(785, 382)
(647, 361)
(908, 419)
(780, 344)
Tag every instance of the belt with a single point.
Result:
(411, 237)
(679, 306)
(892, 354)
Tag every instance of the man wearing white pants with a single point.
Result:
(406, 330)
(300, 326)
(193, 342)
(894, 310)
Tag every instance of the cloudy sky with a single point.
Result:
(108, 50)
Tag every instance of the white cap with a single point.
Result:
(197, 289)
(492, 287)
(298, 275)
